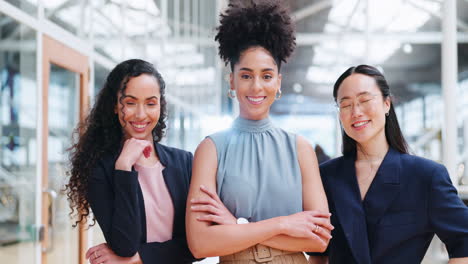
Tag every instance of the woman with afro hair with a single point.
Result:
(135, 186)
(256, 194)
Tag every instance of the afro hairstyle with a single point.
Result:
(250, 23)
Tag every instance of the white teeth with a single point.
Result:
(360, 123)
(138, 126)
(259, 99)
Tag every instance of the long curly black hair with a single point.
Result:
(101, 134)
(264, 23)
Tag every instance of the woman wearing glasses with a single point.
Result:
(386, 204)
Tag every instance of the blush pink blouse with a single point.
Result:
(159, 208)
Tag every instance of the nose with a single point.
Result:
(256, 85)
(140, 111)
(356, 110)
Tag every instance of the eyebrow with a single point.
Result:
(250, 70)
(359, 94)
(133, 97)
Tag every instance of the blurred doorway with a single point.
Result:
(64, 103)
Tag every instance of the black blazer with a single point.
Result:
(117, 203)
(409, 200)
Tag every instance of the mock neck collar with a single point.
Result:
(248, 125)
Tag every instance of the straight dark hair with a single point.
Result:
(393, 132)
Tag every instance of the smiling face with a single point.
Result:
(256, 81)
(362, 109)
(141, 107)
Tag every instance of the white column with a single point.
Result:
(449, 87)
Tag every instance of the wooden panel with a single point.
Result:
(61, 55)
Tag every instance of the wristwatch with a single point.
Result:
(242, 220)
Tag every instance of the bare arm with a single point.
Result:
(205, 239)
(314, 199)
(458, 260)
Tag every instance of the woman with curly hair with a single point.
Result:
(135, 186)
(263, 175)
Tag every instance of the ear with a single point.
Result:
(387, 104)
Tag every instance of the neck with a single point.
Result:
(253, 117)
(372, 151)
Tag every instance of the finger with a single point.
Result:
(98, 260)
(205, 208)
(91, 250)
(323, 222)
(320, 214)
(205, 201)
(211, 219)
(142, 142)
(322, 232)
(317, 238)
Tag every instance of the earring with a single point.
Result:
(231, 93)
(278, 95)
(387, 114)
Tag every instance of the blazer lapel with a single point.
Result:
(384, 189)
(175, 185)
(348, 206)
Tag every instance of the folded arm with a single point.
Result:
(314, 199)
(294, 233)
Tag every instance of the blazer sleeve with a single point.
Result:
(448, 214)
(115, 206)
(172, 251)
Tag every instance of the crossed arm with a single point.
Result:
(294, 232)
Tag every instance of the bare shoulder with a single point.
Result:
(206, 145)
(205, 156)
(304, 148)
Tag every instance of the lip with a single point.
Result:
(141, 126)
(361, 127)
(256, 100)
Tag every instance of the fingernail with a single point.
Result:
(202, 186)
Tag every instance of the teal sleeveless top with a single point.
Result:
(258, 174)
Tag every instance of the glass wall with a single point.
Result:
(18, 142)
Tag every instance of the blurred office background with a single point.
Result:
(55, 55)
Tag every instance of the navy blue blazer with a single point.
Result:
(409, 200)
(117, 203)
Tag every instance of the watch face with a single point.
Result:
(242, 220)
